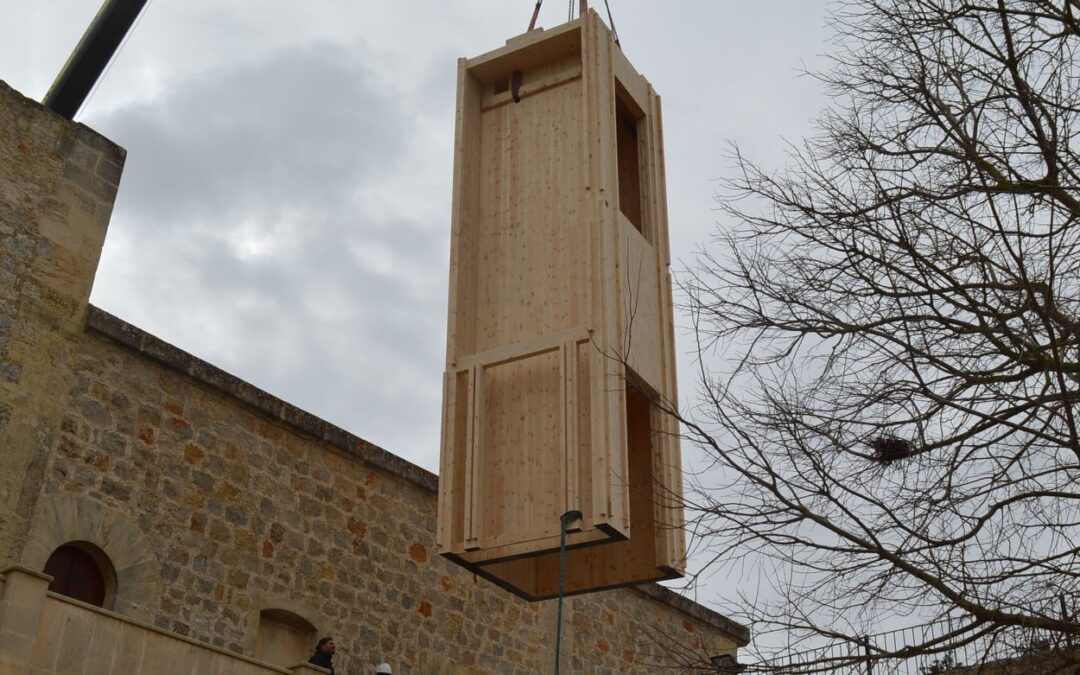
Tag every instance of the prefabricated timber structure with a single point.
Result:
(560, 334)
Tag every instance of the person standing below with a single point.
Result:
(324, 653)
(383, 669)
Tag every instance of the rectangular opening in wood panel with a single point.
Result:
(629, 132)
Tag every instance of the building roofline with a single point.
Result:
(738, 632)
(104, 323)
(306, 424)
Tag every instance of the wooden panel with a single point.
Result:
(634, 557)
(670, 510)
(454, 460)
(449, 471)
(528, 50)
(533, 547)
(587, 359)
(606, 394)
(461, 329)
(531, 82)
(640, 296)
(568, 457)
(638, 558)
(674, 549)
(654, 173)
(522, 447)
(474, 443)
(472, 414)
(520, 350)
(533, 278)
(635, 86)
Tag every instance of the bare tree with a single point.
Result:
(889, 334)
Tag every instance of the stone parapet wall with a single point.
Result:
(66, 637)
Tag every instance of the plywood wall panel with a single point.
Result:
(531, 251)
(642, 319)
(523, 444)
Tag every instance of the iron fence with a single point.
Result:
(944, 646)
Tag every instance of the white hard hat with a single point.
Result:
(383, 668)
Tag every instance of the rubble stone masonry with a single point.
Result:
(216, 501)
(58, 181)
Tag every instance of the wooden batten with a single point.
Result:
(560, 326)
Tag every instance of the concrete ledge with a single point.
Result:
(21, 608)
(7, 569)
(149, 627)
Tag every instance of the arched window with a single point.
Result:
(285, 638)
(82, 571)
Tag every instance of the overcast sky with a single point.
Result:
(285, 209)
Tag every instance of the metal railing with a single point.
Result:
(954, 647)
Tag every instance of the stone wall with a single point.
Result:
(215, 501)
(249, 506)
(57, 185)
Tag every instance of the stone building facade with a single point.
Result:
(220, 515)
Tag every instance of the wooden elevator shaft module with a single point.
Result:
(560, 321)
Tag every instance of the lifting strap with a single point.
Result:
(611, 20)
(583, 7)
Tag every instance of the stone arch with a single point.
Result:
(268, 604)
(83, 571)
(63, 519)
(285, 638)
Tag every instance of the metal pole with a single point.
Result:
(564, 524)
(536, 13)
(91, 55)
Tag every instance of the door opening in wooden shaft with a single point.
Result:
(560, 321)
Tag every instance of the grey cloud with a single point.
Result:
(247, 234)
(294, 129)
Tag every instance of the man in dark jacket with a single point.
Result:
(324, 652)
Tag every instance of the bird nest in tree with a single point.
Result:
(888, 449)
